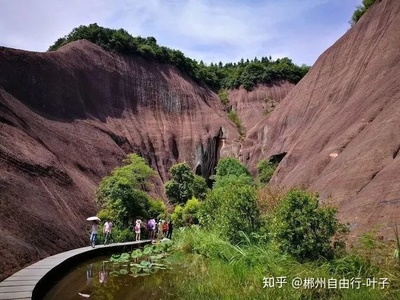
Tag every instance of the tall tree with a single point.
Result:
(122, 194)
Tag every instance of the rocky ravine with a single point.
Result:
(340, 126)
(67, 118)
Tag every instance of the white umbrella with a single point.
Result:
(93, 219)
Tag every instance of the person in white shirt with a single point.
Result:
(107, 231)
(137, 229)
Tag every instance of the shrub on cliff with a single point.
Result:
(230, 166)
(265, 170)
(360, 11)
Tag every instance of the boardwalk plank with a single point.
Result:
(21, 284)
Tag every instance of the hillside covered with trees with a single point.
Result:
(246, 73)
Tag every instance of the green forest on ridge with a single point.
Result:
(246, 73)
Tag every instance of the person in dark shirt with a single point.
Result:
(170, 227)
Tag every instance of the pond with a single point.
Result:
(120, 278)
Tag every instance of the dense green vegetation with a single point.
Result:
(304, 229)
(187, 214)
(237, 241)
(360, 11)
(231, 207)
(265, 170)
(122, 196)
(233, 116)
(219, 269)
(246, 73)
(184, 184)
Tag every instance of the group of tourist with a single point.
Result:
(157, 229)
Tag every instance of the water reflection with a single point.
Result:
(101, 279)
(103, 274)
(88, 289)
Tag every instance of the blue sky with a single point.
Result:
(208, 30)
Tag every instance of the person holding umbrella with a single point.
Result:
(94, 231)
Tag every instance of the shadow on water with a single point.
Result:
(102, 279)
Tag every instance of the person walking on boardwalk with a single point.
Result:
(107, 231)
(170, 227)
(151, 226)
(93, 233)
(165, 228)
(137, 229)
(160, 230)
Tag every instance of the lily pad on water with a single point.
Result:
(145, 263)
(135, 270)
(157, 257)
(123, 272)
(147, 251)
(140, 274)
(136, 253)
(159, 266)
(115, 257)
(147, 270)
(124, 257)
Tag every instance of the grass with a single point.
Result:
(233, 116)
(216, 269)
(223, 96)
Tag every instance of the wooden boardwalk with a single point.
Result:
(34, 281)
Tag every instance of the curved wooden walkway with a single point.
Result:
(33, 281)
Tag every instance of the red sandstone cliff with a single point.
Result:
(67, 118)
(253, 106)
(340, 126)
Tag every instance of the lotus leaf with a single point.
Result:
(144, 263)
(125, 256)
(147, 270)
(137, 253)
(141, 274)
(123, 272)
(147, 251)
(158, 265)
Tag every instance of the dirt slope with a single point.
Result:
(68, 118)
(340, 126)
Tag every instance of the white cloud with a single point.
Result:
(211, 30)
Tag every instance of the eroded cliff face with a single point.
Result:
(255, 105)
(67, 118)
(339, 127)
